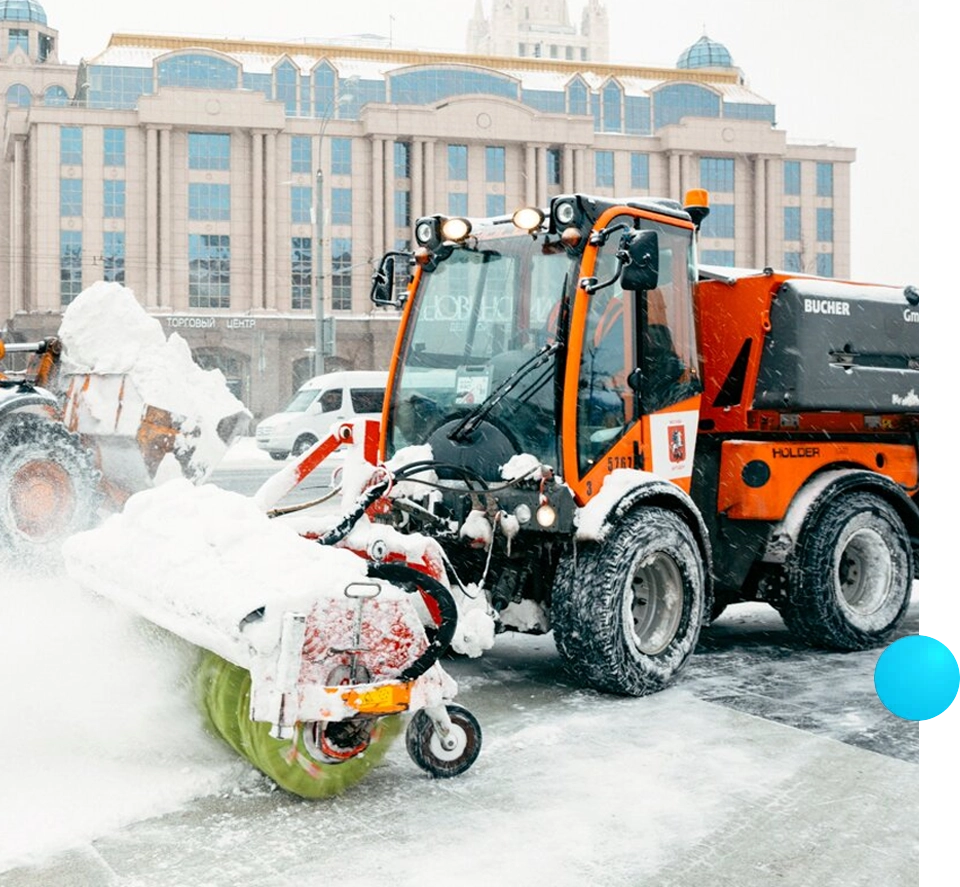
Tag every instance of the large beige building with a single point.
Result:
(188, 170)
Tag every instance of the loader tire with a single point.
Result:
(849, 578)
(223, 694)
(627, 611)
(49, 487)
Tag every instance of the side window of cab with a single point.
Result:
(331, 400)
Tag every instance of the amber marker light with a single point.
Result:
(422, 255)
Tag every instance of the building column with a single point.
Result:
(760, 212)
(416, 179)
(429, 177)
(530, 176)
(257, 244)
(674, 183)
(16, 252)
(541, 198)
(152, 213)
(165, 222)
(566, 174)
(270, 221)
(579, 170)
(389, 191)
(376, 208)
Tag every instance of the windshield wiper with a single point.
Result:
(469, 422)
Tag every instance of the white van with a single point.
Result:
(321, 403)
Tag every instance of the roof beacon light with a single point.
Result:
(528, 218)
(455, 229)
(697, 203)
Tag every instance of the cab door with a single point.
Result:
(632, 362)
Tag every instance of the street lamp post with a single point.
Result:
(318, 343)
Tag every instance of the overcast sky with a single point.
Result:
(843, 71)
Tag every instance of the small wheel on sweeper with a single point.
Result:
(428, 751)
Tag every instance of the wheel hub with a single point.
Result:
(864, 572)
(41, 498)
(655, 606)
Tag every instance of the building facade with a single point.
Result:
(227, 182)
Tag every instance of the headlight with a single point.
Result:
(456, 229)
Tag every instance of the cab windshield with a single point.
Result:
(477, 322)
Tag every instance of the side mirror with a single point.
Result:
(382, 291)
(640, 252)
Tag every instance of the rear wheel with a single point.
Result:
(278, 457)
(49, 486)
(627, 611)
(848, 580)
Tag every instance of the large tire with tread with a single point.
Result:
(425, 748)
(627, 611)
(849, 578)
(49, 486)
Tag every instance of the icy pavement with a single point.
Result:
(748, 772)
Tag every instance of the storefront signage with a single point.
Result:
(212, 323)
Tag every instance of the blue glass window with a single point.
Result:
(195, 70)
(401, 208)
(603, 168)
(457, 163)
(720, 222)
(341, 256)
(637, 115)
(825, 264)
(71, 197)
(612, 116)
(341, 156)
(301, 201)
(824, 180)
(717, 257)
(71, 146)
(208, 202)
(209, 258)
(114, 256)
(114, 86)
(18, 96)
(750, 111)
(301, 273)
(678, 100)
(716, 174)
(300, 158)
(55, 97)
(71, 266)
(457, 203)
(554, 166)
(496, 163)
(114, 198)
(825, 225)
(791, 223)
(577, 97)
(401, 160)
(287, 79)
(429, 85)
(324, 86)
(791, 177)
(114, 147)
(548, 101)
(208, 150)
(639, 170)
(19, 39)
(496, 204)
(792, 261)
(341, 206)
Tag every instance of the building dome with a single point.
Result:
(22, 11)
(705, 53)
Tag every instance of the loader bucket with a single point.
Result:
(132, 437)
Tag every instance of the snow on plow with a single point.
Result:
(309, 652)
(104, 409)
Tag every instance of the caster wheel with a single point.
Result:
(424, 743)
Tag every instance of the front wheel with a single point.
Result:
(278, 457)
(627, 611)
(441, 757)
(848, 580)
(302, 444)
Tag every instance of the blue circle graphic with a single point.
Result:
(917, 677)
